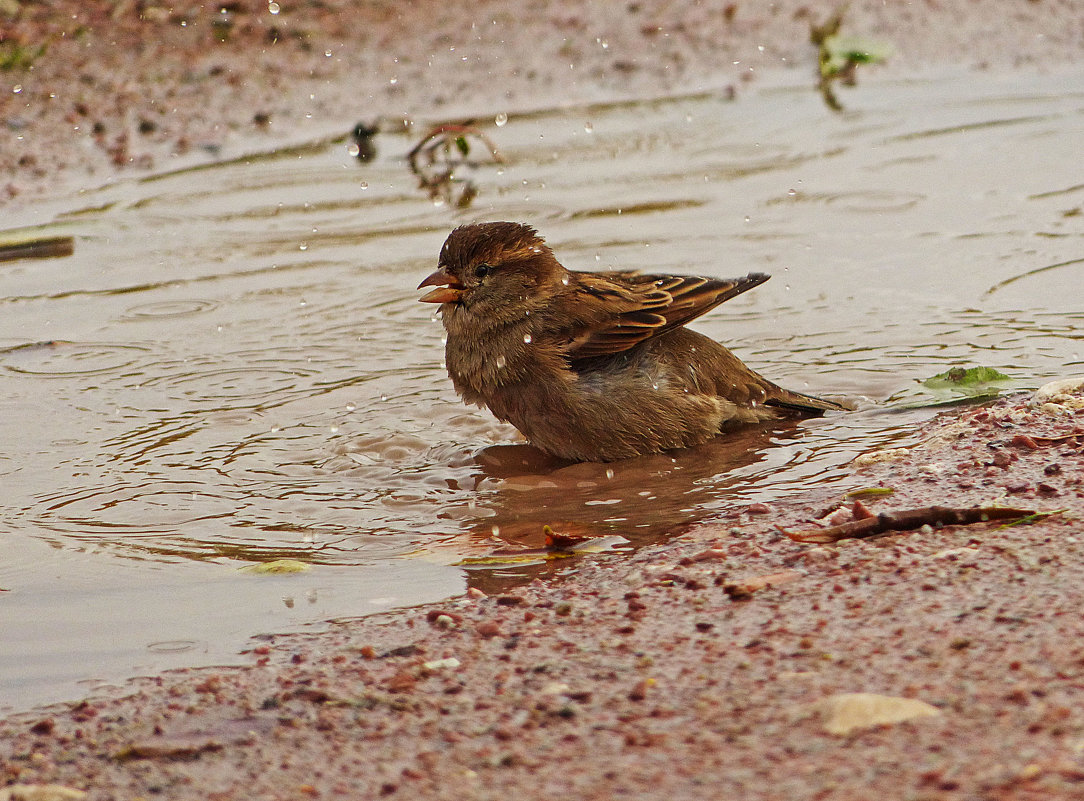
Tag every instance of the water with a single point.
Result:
(233, 368)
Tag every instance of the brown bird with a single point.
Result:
(592, 366)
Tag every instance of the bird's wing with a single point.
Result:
(618, 310)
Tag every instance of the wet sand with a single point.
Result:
(703, 668)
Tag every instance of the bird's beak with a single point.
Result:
(449, 288)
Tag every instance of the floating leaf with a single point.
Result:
(277, 566)
(966, 378)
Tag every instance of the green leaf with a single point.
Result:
(463, 145)
(837, 52)
(868, 492)
(966, 379)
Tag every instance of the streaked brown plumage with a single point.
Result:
(592, 366)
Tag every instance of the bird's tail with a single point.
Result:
(806, 404)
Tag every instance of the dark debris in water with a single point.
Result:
(48, 247)
(839, 56)
(443, 156)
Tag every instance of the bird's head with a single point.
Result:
(493, 270)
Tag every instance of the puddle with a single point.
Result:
(232, 366)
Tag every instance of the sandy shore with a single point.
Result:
(91, 89)
(719, 665)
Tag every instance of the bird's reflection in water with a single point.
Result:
(642, 499)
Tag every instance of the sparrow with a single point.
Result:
(592, 366)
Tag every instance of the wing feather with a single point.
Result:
(619, 310)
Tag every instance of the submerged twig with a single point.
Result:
(908, 520)
(440, 153)
(47, 247)
(839, 56)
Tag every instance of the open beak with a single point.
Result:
(449, 288)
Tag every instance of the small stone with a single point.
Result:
(40, 792)
(846, 712)
(874, 457)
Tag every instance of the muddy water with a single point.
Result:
(232, 367)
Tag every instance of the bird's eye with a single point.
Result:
(482, 270)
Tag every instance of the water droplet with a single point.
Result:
(496, 530)
(303, 246)
(17, 88)
(383, 397)
(334, 429)
(588, 127)
(654, 384)
(364, 184)
(350, 407)
(500, 120)
(273, 7)
(393, 81)
(327, 53)
(275, 429)
(760, 48)
(527, 339)
(564, 280)
(352, 149)
(747, 218)
(609, 472)
(501, 362)
(792, 192)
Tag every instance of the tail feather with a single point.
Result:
(807, 404)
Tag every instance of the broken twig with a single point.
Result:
(908, 520)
